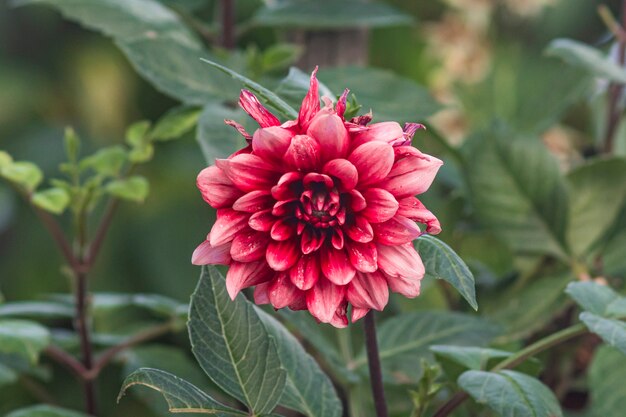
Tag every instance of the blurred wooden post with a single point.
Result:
(331, 48)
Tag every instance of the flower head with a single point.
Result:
(319, 213)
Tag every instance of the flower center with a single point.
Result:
(320, 205)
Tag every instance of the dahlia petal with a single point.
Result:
(284, 207)
(229, 222)
(260, 293)
(249, 172)
(311, 103)
(363, 256)
(368, 291)
(299, 303)
(400, 261)
(329, 131)
(306, 272)
(284, 189)
(381, 205)
(360, 230)
(242, 275)
(249, 246)
(337, 239)
(216, 188)
(396, 231)
(362, 120)
(256, 110)
(386, 132)
(412, 208)
(373, 161)
(312, 177)
(253, 201)
(303, 153)
(311, 240)
(344, 171)
(358, 313)
(262, 221)
(271, 142)
(282, 292)
(357, 201)
(242, 131)
(323, 299)
(410, 129)
(336, 266)
(412, 173)
(341, 103)
(407, 286)
(283, 229)
(283, 255)
(206, 254)
(340, 319)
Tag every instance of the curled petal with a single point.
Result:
(387, 132)
(242, 275)
(306, 272)
(249, 246)
(357, 201)
(336, 266)
(303, 153)
(312, 239)
(206, 254)
(344, 171)
(400, 261)
(358, 313)
(310, 104)
(409, 131)
(341, 103)
(283, 229)
(337, 239)
(229, 222)
(313, 177)
(271, 142)
(262, 221)
(360, 230)
(368, 291)
(381, 205)
(412, 208)
(282, 255)
(324, 298)
(260, 294)
(282, 292)
(362, 120)
(340, 319)
(216, 188)
(396, 231)
(285, 189)
(254, 201)
(249, 172)
(363, 256)
(239, 129)
(373, 161)
(329, 131)
(412, 173)
(256, 110)
(407, 286)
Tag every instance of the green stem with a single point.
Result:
(512, 361)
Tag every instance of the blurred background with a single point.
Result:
(481, 60)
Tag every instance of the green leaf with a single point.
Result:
(522, 310)
(511, 393)
(307, 389)
(588, 58)
(55, 200)
(5, 159)
(519, 193)
(24, 338)
(591, 296)
(134, 188)
(181, 396)
(406, 338)
(279, 56)
(23, 173)
(137, 133)
(441, 262)
(606, 376)
(175, 123)
(611, 331)
(36, 309)
(216, 139)
(45, 411)
(262, 93)
(595, 202)
(72, 144)
(232, 345)
(142, 153)
(107, 161)
(330, 14)
(390, 96)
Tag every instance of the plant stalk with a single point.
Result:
(86, 348)
(373, 360)
(228, 23)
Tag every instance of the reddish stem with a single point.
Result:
(373, 360)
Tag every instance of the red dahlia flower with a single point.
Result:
(319, 212)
